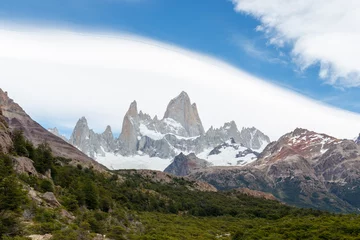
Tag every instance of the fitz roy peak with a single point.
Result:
(150, 139)
(182, 111)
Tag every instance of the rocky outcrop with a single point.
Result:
(17, 118)
(256, 194)
(5, 135)
(40, 237)
(183, 165)
(50, 198)
(24, 165)
(182, 111)
(302, 168)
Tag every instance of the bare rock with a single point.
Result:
(5, 138)
(50, 198)
(181, 110)
(67, 215)
(185, 164)
(40, 237)
(24, 165)
(34, 196)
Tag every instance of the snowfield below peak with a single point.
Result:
(139, 161)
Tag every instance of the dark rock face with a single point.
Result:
(17, 118)
(186, 164)
(302, 168)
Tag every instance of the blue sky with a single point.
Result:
(207, 26)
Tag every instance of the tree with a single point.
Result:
(43, 159)
(91, 195)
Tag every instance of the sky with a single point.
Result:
(275, 68)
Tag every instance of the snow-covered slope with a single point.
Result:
(139, 161)
(229, 153)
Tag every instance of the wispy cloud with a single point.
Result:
(251, 48)
(321, 32)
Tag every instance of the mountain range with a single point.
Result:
(301, 168)
(154, 142)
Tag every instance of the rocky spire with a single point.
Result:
(107, 139)
(128, 137)
(181, 110)
(81, 133)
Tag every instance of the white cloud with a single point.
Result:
(321, 32)
(59, 76)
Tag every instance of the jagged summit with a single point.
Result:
(180, 130)
(81, 132)
(108, 129)
(128, 136)
(182, 111)
(133, 111)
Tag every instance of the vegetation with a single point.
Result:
(127, 205)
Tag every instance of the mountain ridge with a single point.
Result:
(180, 130)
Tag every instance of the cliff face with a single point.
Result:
(182, 111)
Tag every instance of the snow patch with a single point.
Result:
(115, 162)
(150, 133)
(227, 157)
(173, 125)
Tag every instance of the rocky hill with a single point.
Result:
(302, 168)
(17, 118)
(184, 165)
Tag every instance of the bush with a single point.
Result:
(46, 186)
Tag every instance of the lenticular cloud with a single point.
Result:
(324, 33)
